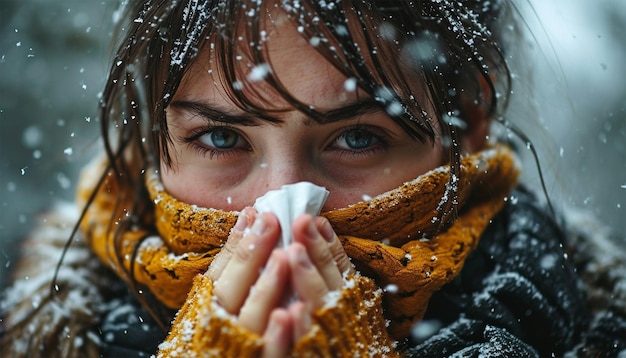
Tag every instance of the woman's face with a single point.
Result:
(360, 152)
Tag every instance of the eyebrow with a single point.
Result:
(213, 113)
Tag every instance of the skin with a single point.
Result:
(312, 266)
(251, 284)
(267, 156)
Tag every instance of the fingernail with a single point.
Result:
(327, 231)
(242, 222)
(312, 231)
(259, 226)
(301, 257)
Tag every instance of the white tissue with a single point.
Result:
(291, 201)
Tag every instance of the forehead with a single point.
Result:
(278, 56)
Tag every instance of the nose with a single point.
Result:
(283, 170)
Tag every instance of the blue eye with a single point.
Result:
(217, 141)
(356, 139)
(220, 139)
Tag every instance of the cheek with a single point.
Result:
(192, 188)
(404, 167)
(233, 188)
(177, 184)
(209, 188)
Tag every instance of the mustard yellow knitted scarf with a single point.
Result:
(392, 238)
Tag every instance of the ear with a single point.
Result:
(474, 138)
(478, 118)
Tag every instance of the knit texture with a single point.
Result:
(391, 238)
(203, 329)
(353, 327)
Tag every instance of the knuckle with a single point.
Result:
(325, 258)
(226, 251)
(341, 258)
(215, 269)
(243, 252)
(345, 265)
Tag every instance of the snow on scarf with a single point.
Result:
(392, 238)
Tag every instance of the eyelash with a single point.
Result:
(215, 153)
(382, 142)
(357, 153)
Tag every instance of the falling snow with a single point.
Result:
(35, 136)
(350, 84)
(259, 72)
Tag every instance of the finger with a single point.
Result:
(307, 282)
(308, 231)
(266, 293)
(245, 219)
(344, 265)
(242, 270)
(301, 318)
(277, 338)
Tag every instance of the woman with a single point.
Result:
(425, 246)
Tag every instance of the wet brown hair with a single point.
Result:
(452, 48)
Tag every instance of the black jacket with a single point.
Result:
(521, 293)
(517, 295)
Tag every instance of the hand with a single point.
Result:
(236, 269)
(316, 262)
(313, 265)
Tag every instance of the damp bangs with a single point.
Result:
(351, 36)
(419, 60)
(359, 40)
(422, 61)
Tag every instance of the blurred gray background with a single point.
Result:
(54, 55)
